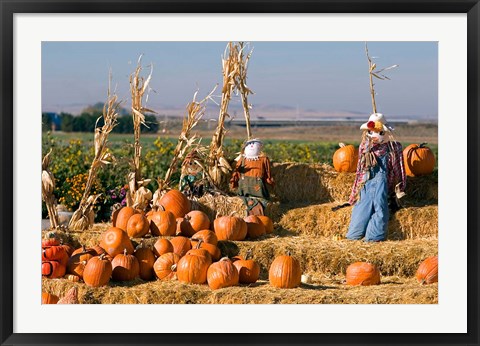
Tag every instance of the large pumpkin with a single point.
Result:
(114, 240)
(267, 222)
(176, 202)
(53, 269)
(123, 216)
(230, 228)
(192, 268)
(98, 271)
(146, 259)
(48, 298)
(222, 274)
(285, 272)
(78, 261)
(162, 246)
(165, 266)
(345, 159)
(125, 267)
(418, 160)
(162, 222)
(362, 274)
(255, 226)
(206, 236)
(193, 222)
(137, 226)
(181, 245)
(248, 270)
(213, 250)
(427, 272)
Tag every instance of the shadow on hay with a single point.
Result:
(317, 287)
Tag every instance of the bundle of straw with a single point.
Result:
(48, 185)
(82, 218)
(195, 111)
(138, 195)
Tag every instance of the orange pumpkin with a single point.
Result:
(162, 246)
(267, 222)
(181, 245)
(48, 298)
(192, 268)
(345, 159)
(222, 274)
(427, 272)
(137, 226)
(53, 253)
(53, 269)
(206, 236)
(162, 223)
(213, 250)
(78, 261)
(165, 266)
(123, 216)
(176, 202)
(248, 270)
(125, 267)
(230, 228)
(51, 239)
(255, 227)
(195, 221)
(114, 240)
(285, 272)
(362, 274)
(98, 271)
(146, 259)
(418, 160)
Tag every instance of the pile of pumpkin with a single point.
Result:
(187, 248)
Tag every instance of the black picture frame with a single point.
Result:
(10, 7)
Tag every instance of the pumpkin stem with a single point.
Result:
(125, 251)
(341, 145)
(289, 253)
(173, 268)
(249, 254)
(199, 243)
(422, 145)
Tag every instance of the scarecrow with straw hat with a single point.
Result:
(251, 176)
(380, 177)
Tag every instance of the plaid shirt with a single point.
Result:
(395, 168)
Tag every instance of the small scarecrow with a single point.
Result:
(193, 179)
(251, 176)
(380, 177)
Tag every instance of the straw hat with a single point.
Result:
(376, 122)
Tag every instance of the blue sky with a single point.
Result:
(314, 77)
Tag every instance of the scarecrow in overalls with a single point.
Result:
(251, 176)
(380, 177)
(193, 179)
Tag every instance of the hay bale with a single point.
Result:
(393, 290)
(320, 221)
(314, 183)
(332, 257)
(221, 205)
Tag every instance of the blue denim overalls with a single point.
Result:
(370, 213)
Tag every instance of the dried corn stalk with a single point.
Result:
(377, 74)
(138, 195)
(241, 83)
(195, 111)
(48, 185)
(82, 218)
(218, 166)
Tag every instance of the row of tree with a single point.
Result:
(86, 121)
